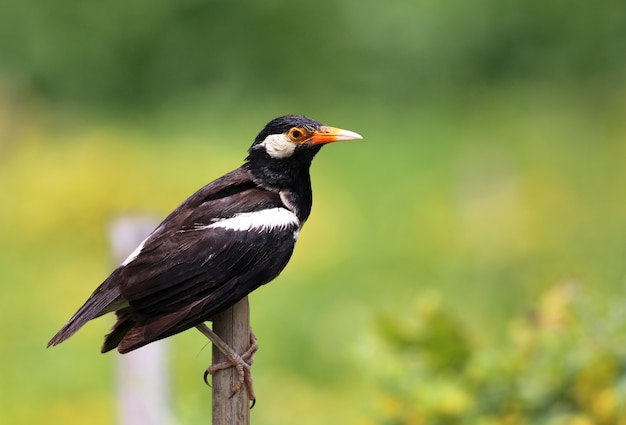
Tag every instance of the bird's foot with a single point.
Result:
(244, 360)
(242, 363)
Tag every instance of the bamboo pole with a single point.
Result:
(233, 326)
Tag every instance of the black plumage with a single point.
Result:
(227, 239)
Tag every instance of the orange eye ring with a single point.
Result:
(297, 134)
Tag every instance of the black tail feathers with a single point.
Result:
(105, 299)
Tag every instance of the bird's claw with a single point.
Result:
(242, 364)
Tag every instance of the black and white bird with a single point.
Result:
(227, 239)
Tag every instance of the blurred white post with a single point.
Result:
(143, 396)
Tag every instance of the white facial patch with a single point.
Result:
(268, 219)
(278, 146)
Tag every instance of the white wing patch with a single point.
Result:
(263, 220)
(135, 253)
(268, 219)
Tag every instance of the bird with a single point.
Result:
(227, 239)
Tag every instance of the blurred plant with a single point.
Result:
(138, 52)
(562, 364)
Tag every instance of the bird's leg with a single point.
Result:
(247, 357)
(241, 362)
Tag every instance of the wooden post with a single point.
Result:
(233, 326)
(143, 396)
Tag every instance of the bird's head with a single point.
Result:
(296, 136)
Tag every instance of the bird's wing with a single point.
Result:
(222, 243)
(236, 269)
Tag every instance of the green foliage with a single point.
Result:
(492, 167)
(432, 333)
(138, 52)
(562, 363)
(482, 202)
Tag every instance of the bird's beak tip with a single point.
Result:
(327, 134)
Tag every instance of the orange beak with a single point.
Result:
(326, 134)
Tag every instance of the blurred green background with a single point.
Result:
(464, 263)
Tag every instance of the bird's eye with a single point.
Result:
(297, 134)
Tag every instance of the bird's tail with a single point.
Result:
(105, 299)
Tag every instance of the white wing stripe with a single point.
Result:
(268, 219)
(135, 253)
